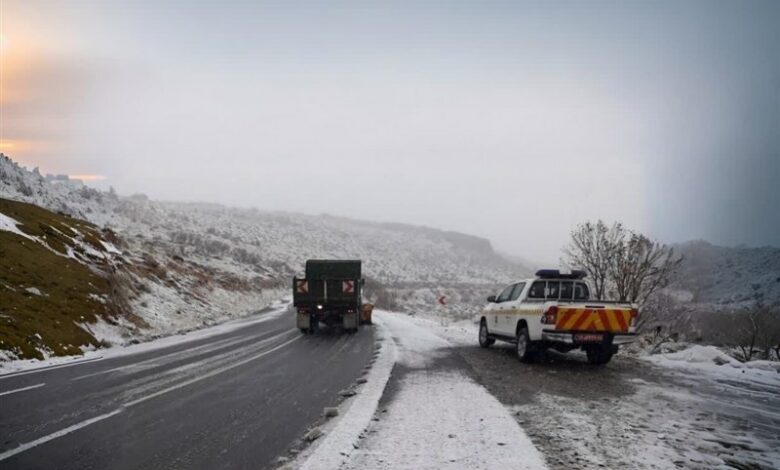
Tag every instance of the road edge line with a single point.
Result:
(62, 432)
(23, 389)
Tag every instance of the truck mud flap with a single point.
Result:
(303, 321)
(350, 321)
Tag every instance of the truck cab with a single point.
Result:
(554, 310)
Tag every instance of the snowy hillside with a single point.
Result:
(727, 276)
(196, 264)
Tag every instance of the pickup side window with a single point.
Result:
(581, 291)
(567, 290)
(553, 289)
(505, 294)
(517, 291)
(537, 290)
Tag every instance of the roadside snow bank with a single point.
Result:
(702, 354)
(711, 360)
(439, 417)
(445, 420)
(341, 440)
(10, 365)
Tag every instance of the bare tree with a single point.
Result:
(747, 328)
(665, 320)
(625, 264)
(592, 248)
(755, 332)
(769, 331)
(639, 267)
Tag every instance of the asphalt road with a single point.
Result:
(234, 400)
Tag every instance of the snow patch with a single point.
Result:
(110, 248)
(34, 291)
(702, 354)
(8, 224)
(709, 360)
(106, 333)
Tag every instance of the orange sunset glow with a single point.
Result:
(35, 101)
(87, 177)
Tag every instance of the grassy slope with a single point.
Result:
(66, 284)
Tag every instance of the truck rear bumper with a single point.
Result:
(568, 337)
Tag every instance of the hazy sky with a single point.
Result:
(509, 120)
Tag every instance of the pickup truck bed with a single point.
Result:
(556, 312)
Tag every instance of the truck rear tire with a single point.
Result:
(599, 355)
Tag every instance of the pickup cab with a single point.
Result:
(555, 311)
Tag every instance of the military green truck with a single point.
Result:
(330, 294)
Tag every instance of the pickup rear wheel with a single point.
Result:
(523, 345)
(599, 355)
(485, 340)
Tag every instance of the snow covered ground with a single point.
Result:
(677, 410)
(450, 404)
(431, 415)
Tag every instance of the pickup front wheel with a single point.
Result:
(485, 340)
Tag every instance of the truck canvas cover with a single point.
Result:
(317, 269)
(333, 283)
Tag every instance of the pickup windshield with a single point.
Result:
(581, 291)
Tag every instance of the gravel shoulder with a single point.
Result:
(631, 414)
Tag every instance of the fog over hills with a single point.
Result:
(231, 260)
(729, 277)
(198, 263)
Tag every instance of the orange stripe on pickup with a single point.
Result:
(586, 319)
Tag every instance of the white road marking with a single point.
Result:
(21, 389)
(44, 369)
(55, 435)
(24, 447)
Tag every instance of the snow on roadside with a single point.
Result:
(9, 365)
(709, 360)
(439, 418)
(341, 438)
(445, 420)
(657, 427)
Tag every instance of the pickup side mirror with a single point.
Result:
(491, 299)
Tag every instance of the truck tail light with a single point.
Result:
(550, 316)
(634, 315)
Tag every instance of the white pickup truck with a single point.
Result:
(554, 310)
